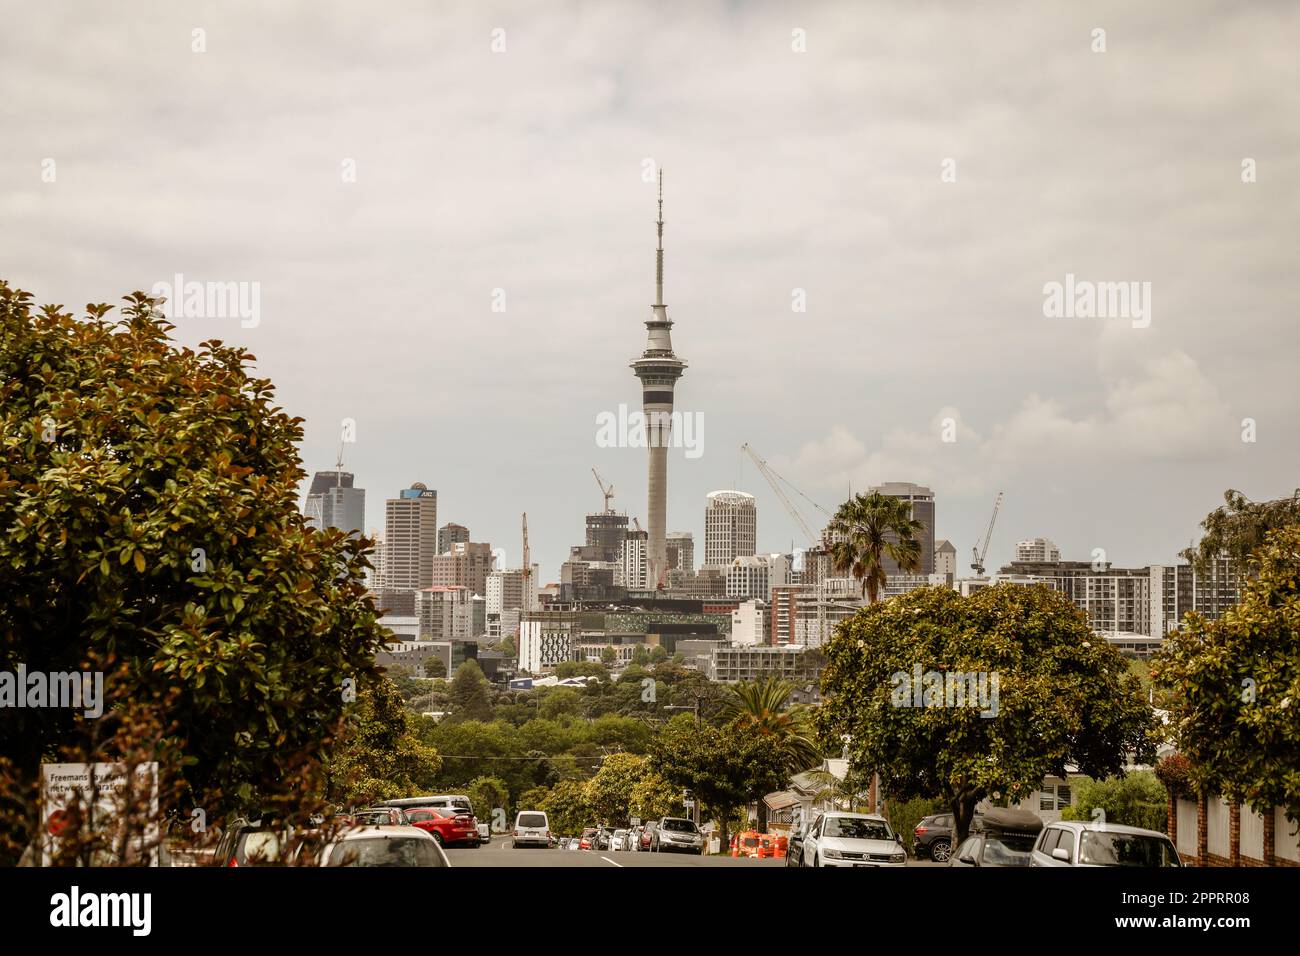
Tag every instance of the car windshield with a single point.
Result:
(1101, 848)
(855, 828)
(1008, 850)
(419, 816)
(532, 820)
(678, 826)
(386, 851)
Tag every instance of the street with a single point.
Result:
(500, 853)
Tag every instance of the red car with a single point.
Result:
(588, 839)
(644, 840)
(448, 826)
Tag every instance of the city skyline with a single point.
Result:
(377, 294)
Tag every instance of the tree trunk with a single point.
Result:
(762, 816)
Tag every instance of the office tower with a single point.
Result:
(466, 565)
(754, 576)
(922, 501)
(658, 368)
(450, 534)
(730, 527)
(633, 565)
(681, 552)
(604, 537)
(410, 538)
(1037, 549)
(333, 502)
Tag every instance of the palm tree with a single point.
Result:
(868, 528)
(764, 705)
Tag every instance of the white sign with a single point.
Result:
(99, 799)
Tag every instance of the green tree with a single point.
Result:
(868, 528)
(609, 792)
(488, 794)
(556, 703)
(608, 657)
(1064, 696)
(566, 807)
(1239, 528)
(1232, 687)
(764, 706)
(641, 655)
(377, 756)
(471, 697)
(658, 654)
(1136, 799)
(150, 528)
(435, 668)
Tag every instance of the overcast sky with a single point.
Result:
(819, 170)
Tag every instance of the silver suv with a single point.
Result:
(678, 835)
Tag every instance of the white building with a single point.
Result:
(945, 559)
(730, 527)
(749, 623)
(634, 562)
(1037, 549)
(545, 639)
(754, 576)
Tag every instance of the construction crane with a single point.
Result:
(528, 570)
(978, 553)
(608, 492)
(817, 542)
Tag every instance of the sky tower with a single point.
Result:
(658, 369)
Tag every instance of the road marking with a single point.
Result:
(608, 860)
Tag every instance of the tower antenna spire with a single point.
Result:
(659, 252)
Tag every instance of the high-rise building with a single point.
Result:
(333, 502)
(922, 501)
(466, 565)
(681, 551)
(749, 623)
(658, 368)
(445, 613)
(410, 538)
(634, 563)
(503, 601)
(450, 534)
(730, 527)
(754, 576)
(605, 533)
(375, 579)
(1037, 549)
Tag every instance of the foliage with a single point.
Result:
(149, 527)
(868, 528)
(486, 795)
(1064, 695)
(1239, 528)
(1234, 702)
(470, 694)
(1175, 773)
(377, 756)
(904, 815)
(1135, 799)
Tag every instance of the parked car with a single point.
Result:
(532, 828)
(619, 841)
(380, 816)
(251, 844)
(645, 839)
(839, 838)
(443, 801)
(1079, 843)
(484, 832)
(677, 835)
(1001, 837)
(794, 849)
(932, 838)
(603, 837)
(448, 827)
(384, 846)
(588, 839)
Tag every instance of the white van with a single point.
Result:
(532, 828)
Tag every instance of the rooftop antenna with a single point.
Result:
(659, 252)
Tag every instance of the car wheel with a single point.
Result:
(438, 836)
(940, 850)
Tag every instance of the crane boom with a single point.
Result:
(978, 553)
(528, 570)
(607, 491)
(771, 477)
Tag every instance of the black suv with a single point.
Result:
(932, 838)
